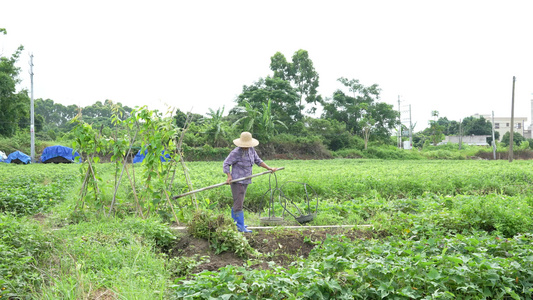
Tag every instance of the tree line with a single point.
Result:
(280, 103)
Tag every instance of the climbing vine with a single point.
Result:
(89, 144)
(160, 143)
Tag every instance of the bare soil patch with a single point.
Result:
(102, 294)
(40, 217)
(282, 246)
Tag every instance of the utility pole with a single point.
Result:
(460, 134)
(410, 128)
(493, 139)
(32, 125)
(400, 125)
(512, 126)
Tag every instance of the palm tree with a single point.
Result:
(252, 114)
(262, 121)
(269, 121)
(215, 126)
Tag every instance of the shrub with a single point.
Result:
(205, 153)
(390, 152)
(443, 154)
(152, 229)
(507, 215)
(517, 139)
(286, 146)
(220, 232)
(348, 153)
(437, 215)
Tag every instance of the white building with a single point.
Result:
(478, 140)
(503, 125)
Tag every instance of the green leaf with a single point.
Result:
(433, 274)
(454, 259)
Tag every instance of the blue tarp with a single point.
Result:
(140, 157)
(25, 159)
(59, 151)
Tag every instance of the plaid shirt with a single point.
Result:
(241, 163)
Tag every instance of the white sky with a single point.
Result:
(456, 57)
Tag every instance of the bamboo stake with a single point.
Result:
(223, 183)
(189, 182)
(94, 175)
(124, 163)
(182, 161)
(138, 207)
(83, 191)
(171, 207)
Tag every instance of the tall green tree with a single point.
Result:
(14, 106)
(300, 73)
(449, 127)
(55, 115)
(366, 122)
(180, 118)
(332, 132)
(469, 125)
(477, 126)
(436, 129)
(361, 111)
(283, 97)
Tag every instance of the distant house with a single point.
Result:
(503, 125)
(478, 140)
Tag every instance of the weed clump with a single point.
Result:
(221, 233)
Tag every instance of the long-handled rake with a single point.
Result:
(223, 183)
(302, 216)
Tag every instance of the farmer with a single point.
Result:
(241, 159)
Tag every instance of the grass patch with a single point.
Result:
(122, 257)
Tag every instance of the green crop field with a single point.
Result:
(440, 230)
(345, 179)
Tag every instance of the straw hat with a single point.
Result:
(246, 140)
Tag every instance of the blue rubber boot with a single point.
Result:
(233, 217)
(239, 217)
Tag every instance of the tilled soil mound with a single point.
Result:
(283, 247)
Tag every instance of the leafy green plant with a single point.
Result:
(152, 229)
(30, 191)
(507, 215)
(89, 143)
(475, 266)
(220, 232)
(183, 266)
(149, 195)
(22, 244)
